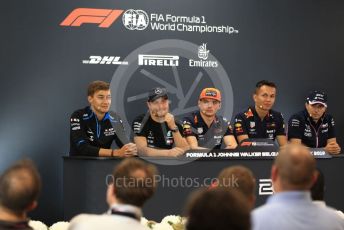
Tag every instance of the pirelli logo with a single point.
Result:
(158, 60)
(103, 17)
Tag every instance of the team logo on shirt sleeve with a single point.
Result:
(75, 124)
(295, 122)
(137, 127)
(249, 113)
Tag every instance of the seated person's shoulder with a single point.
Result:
(240, 114)
(78, 113)
(328, 117)
(243, 115)
(190, 119)
(137, 124)
(223, 119)
(81, 113)
(114, 116)
(299, 116)
(139, 118)
(276, 114)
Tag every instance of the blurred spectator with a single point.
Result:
(240, 178)
(20, 186)
(134, 183)
(318, 192)
(293, 174)
(218, 209)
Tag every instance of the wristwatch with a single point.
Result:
(175, 129)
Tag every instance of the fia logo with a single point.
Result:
(265, 187)
(135, 19)
(203, 52)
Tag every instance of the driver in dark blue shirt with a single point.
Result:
(314, 127)
(260, 121)
(94, 128)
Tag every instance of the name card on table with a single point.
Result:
(249, 149)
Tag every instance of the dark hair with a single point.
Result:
(219, 208)
(95, 86)
(244, 179)
(20, 186)
(135, 181)
(261, 83)
(318, 188)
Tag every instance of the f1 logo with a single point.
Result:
(103, 17)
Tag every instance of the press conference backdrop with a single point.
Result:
(51, 51)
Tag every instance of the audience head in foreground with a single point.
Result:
(134, 182)
(293, 174)
(218, 209)
(239, 178)
(20, 186)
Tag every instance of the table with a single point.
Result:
(85, 178)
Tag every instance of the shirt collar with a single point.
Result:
(310, 118)
(290, 196)
(254, 111)
(200, 119)
(126, 208)
(107, 116)
(91, 113)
